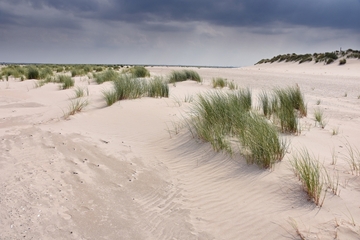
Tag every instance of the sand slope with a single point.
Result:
(132, 171)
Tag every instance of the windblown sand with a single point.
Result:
(132, 171)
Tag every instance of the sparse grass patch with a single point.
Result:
(32, 73)
(232, 85)
(139, 72)
(158, 88)
(353, 158)
(66, 81)
(309, 171)
(110, 97)
(183, 75)
(265, 104)
(335, 131)
(109, 75)
(318, 102)
(342, 61)
(80, 92)
(332, 183)
(127, 87)
(76, 106)
(45, 72)
(39, 83)
(219, 82)
(319, 117)
(295, 226)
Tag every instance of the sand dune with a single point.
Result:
(133, 171)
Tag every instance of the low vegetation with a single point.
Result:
(219, 82)
(137, 71)
(319, 117)
(128, 87)
(76, 106)
(310, 173)
(225, 120)
(158, 88)
(183, 75)
(326, 58)
(108, 75)
(80, 92)
(66, 81)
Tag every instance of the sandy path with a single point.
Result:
(130, 171)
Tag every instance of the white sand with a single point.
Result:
(130, 172)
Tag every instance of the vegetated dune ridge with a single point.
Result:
(132, 171)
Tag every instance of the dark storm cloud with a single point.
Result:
(313, 13)
(340, 14)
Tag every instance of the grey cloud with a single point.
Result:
(340, 14)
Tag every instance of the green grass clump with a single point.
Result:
(288, 104)
(309, 171)
(139, 72)
(32, 73)
(13, 70)
(80, 92)
(66, 81)
(183, 75)
(127, 87)
(219, 82)
(59, 69)
(110, 97)
(221, 119)
(342, 61)
(98, 69)
(109, 75)
(158, 88)
(45, 72)
(265, 104)
(262, 143)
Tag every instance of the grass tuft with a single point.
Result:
(158, 88)
(76, 106)
(319, 117)
(221, 119)
(219, 82)
(66, 81)
(183, 75)
(288, 104)
(127, 87)
(110, 97)
(32, 73)
(309, 171)
(80, 92)
(109, 75)
(265, 103)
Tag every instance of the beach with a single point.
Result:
(133, 170)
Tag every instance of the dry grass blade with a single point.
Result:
(76, 106)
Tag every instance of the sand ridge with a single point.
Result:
(133, 171)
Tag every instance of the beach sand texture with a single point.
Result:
(133, 171)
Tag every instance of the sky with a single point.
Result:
(173, 32)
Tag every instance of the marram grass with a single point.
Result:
(183, 75)
(222, 118)
(158, 88)
(128, 87)
(310, 173)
